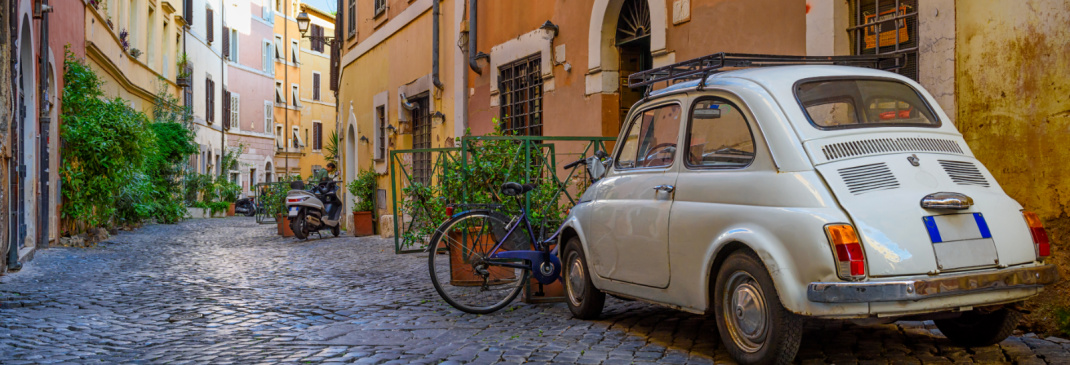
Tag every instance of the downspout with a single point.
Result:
(223, 86)
(473, 53)
(45, 124)
(435, 15)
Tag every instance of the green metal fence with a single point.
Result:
(473, 174)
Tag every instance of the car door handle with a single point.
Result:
(665, 188)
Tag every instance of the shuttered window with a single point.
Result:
(209, 101)
(316, 86)
(226, 109)
(317, 135)
(235, 111)
(269, 116)
(209, 25)
(352, 14)
(317, 38)
(226, 43)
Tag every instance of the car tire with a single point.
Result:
(584, 300)
(755, 329)
(975, 329)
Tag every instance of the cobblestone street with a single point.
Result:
(230, 291)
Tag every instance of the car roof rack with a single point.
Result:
(702, 67)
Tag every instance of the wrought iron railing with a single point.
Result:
(473, 173)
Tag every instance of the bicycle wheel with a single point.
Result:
(462, 269)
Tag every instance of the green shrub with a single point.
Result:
(363, 190)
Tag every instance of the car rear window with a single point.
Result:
(859, 103)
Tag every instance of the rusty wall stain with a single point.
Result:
(1013, 90)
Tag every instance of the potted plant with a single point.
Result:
(124, 39)
(228, 193)
(135, 53)
(363, 190)
(182, 77)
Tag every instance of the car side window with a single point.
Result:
(651, 139)
(718, 136)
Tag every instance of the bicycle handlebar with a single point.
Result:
(577, 162)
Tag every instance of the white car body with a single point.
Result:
(664, 246)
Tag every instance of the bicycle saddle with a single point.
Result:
(514, 189)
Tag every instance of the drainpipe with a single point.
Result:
(435, 15)
(223, 86)
(45, 123)
(473, 53)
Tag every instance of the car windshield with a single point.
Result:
(845, 103)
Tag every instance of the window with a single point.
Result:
(233, 36)
(380, 7)
(226, 109)
(131, 24)
(897, 30)
(279, 141)
(651, 139)
(295, 139)
(266, 13)
(317, 38)
(269, 115)
(166, 49)
(718, 136)
(279, 98)
(252, 178)
(235, 111)
(295, 49)
(188, 12)
(209, 100)
(421, 138)
(268, 62)
(226, 44)
(295, 95)
(380, 133)
(860, 103)
(209, 25)
(352, 14)
(317, 136)
(316, 86)
(520, 95)
(279, 49)
(150, 54)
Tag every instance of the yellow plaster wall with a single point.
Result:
(1013, 95)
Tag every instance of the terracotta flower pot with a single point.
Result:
(284, 225)
(461, 271)
(362, 224)
(230, 210)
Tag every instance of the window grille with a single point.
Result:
(352, 14)
(380, 7)
(520, 95)
(886, 27)
(421, 138)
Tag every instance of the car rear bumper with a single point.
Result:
(918, 289)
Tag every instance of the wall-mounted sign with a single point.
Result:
(888, 37)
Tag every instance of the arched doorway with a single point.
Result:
(269, 172)
(633, 47)
(27, 148)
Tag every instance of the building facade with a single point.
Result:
(287, 51)
(207, 72)
(249, 101)
(544, 67)
(317, 103)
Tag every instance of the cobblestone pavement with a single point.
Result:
(228, 291)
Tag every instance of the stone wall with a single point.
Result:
(5, 126)
(1013, 96)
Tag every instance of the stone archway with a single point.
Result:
(603, 57)
(27, 83)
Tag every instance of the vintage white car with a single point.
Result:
(772, 195)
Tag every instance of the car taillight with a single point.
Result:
(1040, 235)
(850, 260)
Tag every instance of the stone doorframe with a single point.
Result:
(603, 61)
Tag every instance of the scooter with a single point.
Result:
(245, 207)
(314, 210)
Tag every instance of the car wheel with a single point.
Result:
(584, 300)
(754, 326)
(975, 329)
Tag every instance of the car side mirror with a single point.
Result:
(597, 167)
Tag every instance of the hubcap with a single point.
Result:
(575, 278)
(745, 312)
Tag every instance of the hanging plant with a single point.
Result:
(124, 39)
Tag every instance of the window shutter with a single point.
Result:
(226, 43)
(317, 136)
(269, 116)
(188, 11)
(315, 86)
(226, 109)
(208, 101)
(377, 131)
(336, 53)
(209, 25)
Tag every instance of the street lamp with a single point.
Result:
(303, 22)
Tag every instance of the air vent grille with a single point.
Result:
(964, 173)
(866, 178)
(886, 145)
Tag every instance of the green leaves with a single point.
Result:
(363, 189)
(118, 166)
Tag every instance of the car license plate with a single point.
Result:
(293, 211)
(961, 240)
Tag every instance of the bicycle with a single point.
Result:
(476, 263)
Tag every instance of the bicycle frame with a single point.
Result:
(537, 258)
